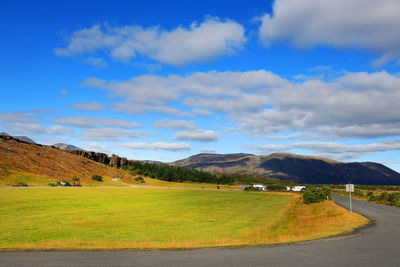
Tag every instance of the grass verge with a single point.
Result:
(300, 222)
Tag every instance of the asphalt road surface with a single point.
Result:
(375, 246)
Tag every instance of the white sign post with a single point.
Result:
(350, 188)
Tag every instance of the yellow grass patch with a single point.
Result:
(300, 222)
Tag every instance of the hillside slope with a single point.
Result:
(36, 164)
(301, 169)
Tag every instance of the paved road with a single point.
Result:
(378, 246)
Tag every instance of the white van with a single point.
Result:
(299, 188)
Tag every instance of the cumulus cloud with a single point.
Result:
(27, 128)
(350, 106)
(89, 106)
(29, 123)
(108, 134)
(180, 46)
(263, 104)
(175, 124)
(232, 92)
(157, 146)
(97, 62)
(89, 122)
(365, 24)
(37, 128)
(197, 135)
(93, 82)
(97, 147)
(331, 150)
(202, 112)
(207, 150)
(7, 117)
(59, 130)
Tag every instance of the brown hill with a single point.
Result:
(35, 164)
(301, 169)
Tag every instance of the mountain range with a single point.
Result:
(284, 166)
(300, 169)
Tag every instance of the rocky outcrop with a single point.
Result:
(114, 160)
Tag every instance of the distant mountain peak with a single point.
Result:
(25, 139)
(66, 146)
(21, 138)
(297, 168)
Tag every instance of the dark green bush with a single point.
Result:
(20, 184)
(383, 197)
(251, 188)
(358, 192)
(394, 199)
(372, 197)
(75, 178)
(276, 187)
(140, 179)
(316, 195)
(97, 178)
(66, 183)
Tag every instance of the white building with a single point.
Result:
(299, 188)
(259, 187)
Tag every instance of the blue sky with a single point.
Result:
(163, 80)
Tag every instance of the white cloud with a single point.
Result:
(365, 24)
(37, 128)
(94, 146)
(219, 91)
(89, 122)
(207, 150)
(197, 135)
(180, 46)
(93, 82)
(8, 117)
(64, 92)
(261, 103)
(175, 124)
(30, 123)
(332, 150)
(26, 128)
(108, 134)
(350, 106)
(97, 62)
(157, 146)
(202, 112)
(89, 106)
(59, 130)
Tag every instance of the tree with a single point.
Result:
(96, 177)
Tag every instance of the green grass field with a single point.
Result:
(117, 218)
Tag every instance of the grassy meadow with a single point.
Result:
(141, 218)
